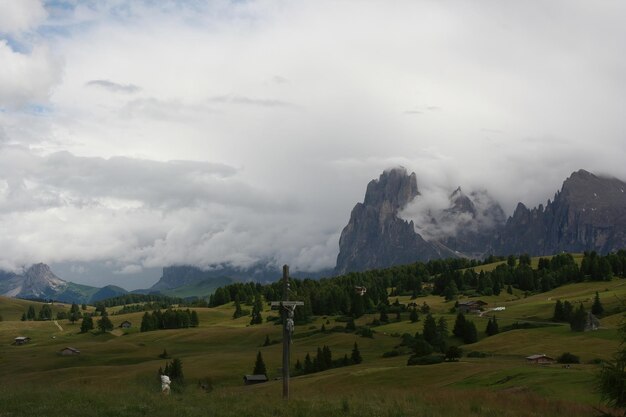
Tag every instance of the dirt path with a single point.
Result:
(58, 325)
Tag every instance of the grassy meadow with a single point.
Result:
(116, 373)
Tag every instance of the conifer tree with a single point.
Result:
(87, 324)
(105, 324)
(470, 335)
(194, 321)
(355, 357)
(31, 313)
(579, 319)
(308, 364)
(259, 365)
(459, 325)
(559, 314)
(413, 316)
(267, 340)
(429, 331)
(257, 309)
(597, 308)
(238, 313)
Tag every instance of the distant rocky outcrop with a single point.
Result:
(589, 213)
(375, 237)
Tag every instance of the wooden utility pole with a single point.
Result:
(287, 309)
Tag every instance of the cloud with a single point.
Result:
(114, 87)
(21, 16)
(250, 101)
(26, 77)
(513, 98)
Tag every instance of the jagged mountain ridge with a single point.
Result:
(39, 282)
(375, 237)
(589, 213)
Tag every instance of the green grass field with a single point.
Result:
(115, 374)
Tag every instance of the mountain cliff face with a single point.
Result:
(589, 213)
(375, 236)
(39, 282)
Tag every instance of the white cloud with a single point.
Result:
(22, 15)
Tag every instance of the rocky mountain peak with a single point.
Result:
(394, 186)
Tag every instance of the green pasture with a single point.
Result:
(116, 373)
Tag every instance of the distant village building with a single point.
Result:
(20, 340)
(540, 359)
(473, 306)
(592, 322)
(254, 379)
(126, 324)
(69, 351)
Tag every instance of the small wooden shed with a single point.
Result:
(20, 340)
(254, 379)
(541, 359)
(69, 351)
(126, 324)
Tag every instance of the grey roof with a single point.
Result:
(543, 355)
(71, 348)
(255, 377)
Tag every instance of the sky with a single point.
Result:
(140, 134)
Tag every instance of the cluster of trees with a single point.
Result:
(448, 278)
(492, 327)
(45, 313)
(576, 317)
(174, 370)
(169, 319)
(324, 360)
(163, 301)
(465, 329)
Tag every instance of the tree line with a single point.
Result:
(169, 319)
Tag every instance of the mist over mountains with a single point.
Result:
(397, 224)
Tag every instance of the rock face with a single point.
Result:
(471, 220)
(38, 281)
(375, 237)
(589, 213)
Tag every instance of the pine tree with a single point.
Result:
(597, 308)
(470, 335)
(267, 341)
(87, 324)
(308, 364)
(492, 327)
(259, 365)
(257, 309)
(559, 314)
(31, 313)
(579, 319)
(238, 313)
(413, 316)
(105, 324)
(23, 317)
(429, 331)
(459, 325)
(355, 357)
(194, 321)
(176, 370)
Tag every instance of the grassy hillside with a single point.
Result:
(115, 374)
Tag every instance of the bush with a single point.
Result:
(568, 358)
(425, 360)
(391, 354)
(476, 354)
(365, 332)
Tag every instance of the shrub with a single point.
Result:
(476, 354)
(391, 354)
(568, 358)
(425, 360)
